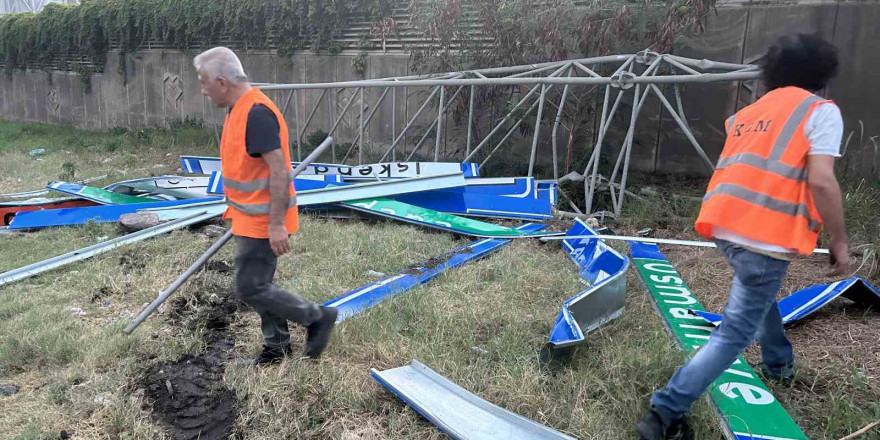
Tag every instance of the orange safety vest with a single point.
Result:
(759, 189)
(245, 178)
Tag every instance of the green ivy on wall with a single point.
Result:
(63, 33)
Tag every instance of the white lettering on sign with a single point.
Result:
(693, 336)
(444, 224)
(415, 217)
(683, 293)
(388, 211)
(667, 268)
(367, 205)
(750, 394)
(666, 279)
(738, 373)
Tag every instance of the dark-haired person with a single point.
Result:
(772, 190)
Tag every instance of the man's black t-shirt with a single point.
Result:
(262, 134)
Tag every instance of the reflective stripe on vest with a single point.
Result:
(765, 201)
(258, 208)
(773, 164)
(249, 186)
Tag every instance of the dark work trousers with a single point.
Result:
(254, 272)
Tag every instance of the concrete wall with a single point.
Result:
(162, 86)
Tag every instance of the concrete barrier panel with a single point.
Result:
(40, 86)
(92, 104)
(153, 66)
(854, 89)
(135, 90)
(114, 97)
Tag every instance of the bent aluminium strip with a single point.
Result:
(458, 413)
(604, 270)
(747, 409)
(367, 296)
(806, 301)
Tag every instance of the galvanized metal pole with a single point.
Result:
(710, 167)
(311, 115)
(509, 114)
(369, 118)
(163, 296)
(594, 158)
(439, 132)
(394, 118)
(556, 121)
(431, 127)
(509, 133)
(361, 131)
(537, 131)
(470, 126)
(296, 124)
(410, 123)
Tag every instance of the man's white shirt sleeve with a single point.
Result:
(824, 130)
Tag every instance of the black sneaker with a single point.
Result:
(782, 376)
(318, 333)
(271, 355)
(653, 427)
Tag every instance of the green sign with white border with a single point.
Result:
(747, 408)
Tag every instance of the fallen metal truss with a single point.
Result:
(545, 87)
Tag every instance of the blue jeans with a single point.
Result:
(751, 313)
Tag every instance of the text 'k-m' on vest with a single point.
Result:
(245, 178)
(759, 189)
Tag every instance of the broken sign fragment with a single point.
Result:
(455, 411)
(355, 301)
(604, 271)
(806, 301)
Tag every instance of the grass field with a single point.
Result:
(480, 325)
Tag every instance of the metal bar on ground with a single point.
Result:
(100, 248)
(178, 282)
(707, 244)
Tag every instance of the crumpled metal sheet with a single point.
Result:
(806, 301)
(458, 413)
(604, 270)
